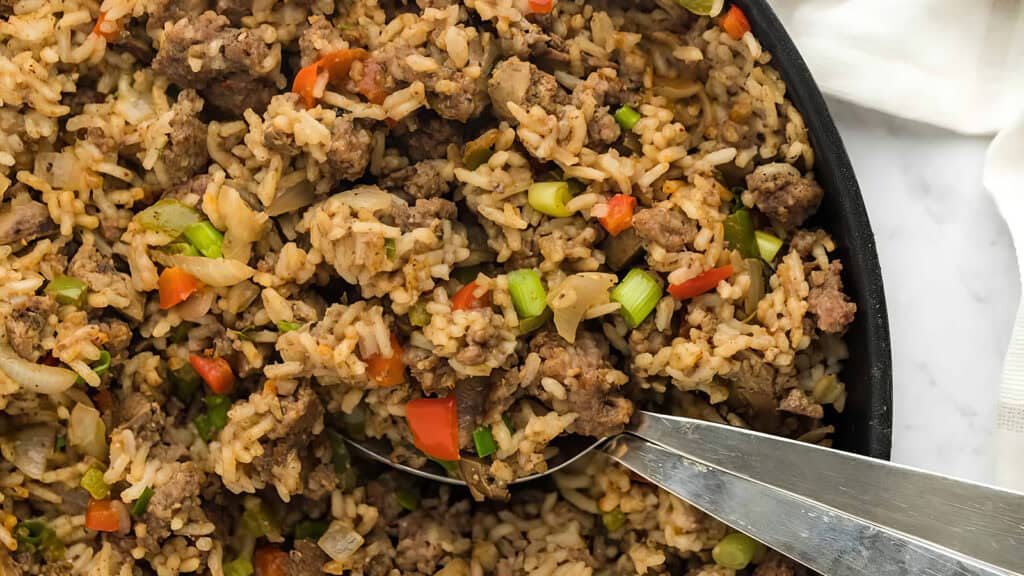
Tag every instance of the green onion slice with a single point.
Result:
(550, 198)
(101, 366)
(286, 326)
(735, 551)
(67, 290)
(93, 483)
(527, 325)
(140, 505)
(418, 315)
(613, 519)
(450, 466)
(310, 529)
(216, 416)
(186, 381)
(389, 248)
(170, 216)
(258, 522)
(768, 245)
(528, 294)
(207, 239)
(31, 532)
(638, 293)
(408, 498)
(627, 117)
(739, 233)
(183, 248)
(484, 441)
(240, 566)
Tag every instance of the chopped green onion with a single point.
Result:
(31, 532)
(93, 483)
(466, 274)
(60, 444)
(484, 441)
(216, 416)
(67, 290)
(243, 334)
(310, 529)
(550, 198)
(258, 522)
(528, 295)
(101, 366)
(140, 505)
(627, 117)
(240, 566)
(613, 519)
(768, 245)
(735, 551)
(476, 156)
(450, 466)
(756, 290)
(180, 332)
(527, 325)
(207, 239)
(340, 457)
(389, 248)
(183, 248)
(638, 293)
(286, 326)
(739, 233)
(418, 315)
(170, 216)
(508, 423)
(186, 381)
(408, 498)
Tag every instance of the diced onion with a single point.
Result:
(217, 272)
(38, 378)
(31, 447)
(87, 432)
(368, 198)
(298, 196)
(340, 541)
(574, 296)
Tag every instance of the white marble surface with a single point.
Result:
(951, 285)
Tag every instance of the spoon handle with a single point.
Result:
(839, 513)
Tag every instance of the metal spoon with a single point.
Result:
(835, 512)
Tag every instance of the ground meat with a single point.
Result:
(319, 38)
(804, 240)
(432, 372)
(430, 135)
(163, 11)
(232, 79)
(190, 192)
(299, 415)
(775, 564)
(425, 179)
(305, 559)
(665, 226)
(118, 336)
(185, 153)
(783, 194)
(98, 272)
(602, 130)
(234, 9)
(23, 222)
(423, 536)
(505, 389)
(583, 369)
(349, 152)
(450, 93)
(426, 213)
(647, 339)
(380, 493)
(143, 416)
(7, 7)
(514, 80)
(80, 97)
(606, 88)
(26, 325)
(827, 301)
(236, 93)
(796, 401)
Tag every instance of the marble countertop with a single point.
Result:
(951, 285)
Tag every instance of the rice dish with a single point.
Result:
(235, 232)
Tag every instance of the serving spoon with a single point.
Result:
(835, 512)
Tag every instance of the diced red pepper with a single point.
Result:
(305, 83)
(216, 372)
(465, 298)
(269, 561)
(109, 30)
(387, 371)
(106, 515)
(541, 6)
(735, 23)
(175, 286)
(434, 423)
(338, 64)
(700, 284)
(620, 214)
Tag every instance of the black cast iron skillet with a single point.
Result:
(865, 426)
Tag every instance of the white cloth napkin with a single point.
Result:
(958, 64)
